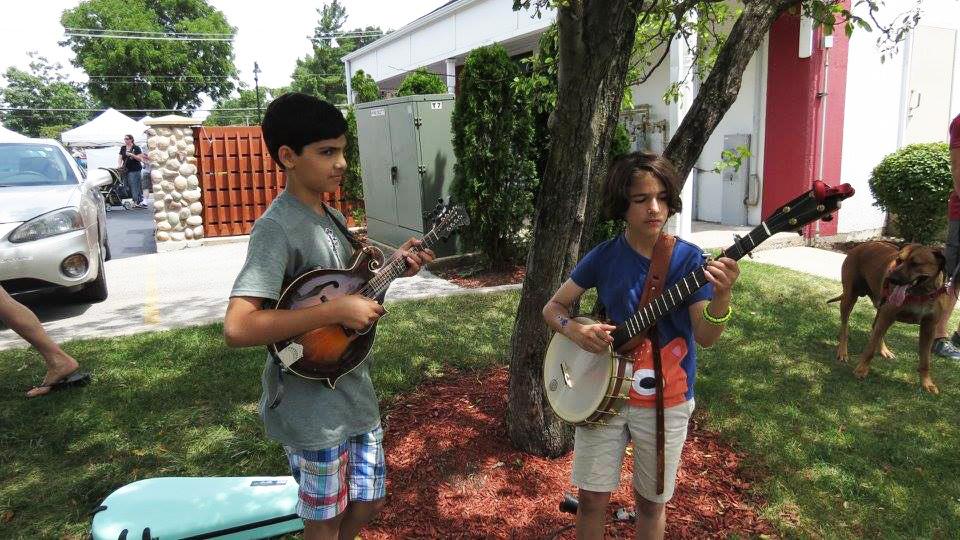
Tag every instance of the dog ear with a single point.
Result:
(905, 251)
(941, 258)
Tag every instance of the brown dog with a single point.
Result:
(905, 285)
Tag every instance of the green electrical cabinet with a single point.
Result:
(406, 154)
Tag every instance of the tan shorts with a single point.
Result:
(598, 451)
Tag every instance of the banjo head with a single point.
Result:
(576, 381)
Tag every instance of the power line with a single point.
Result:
(160, 77)
(149, 32)
(154, 38)
(51, 109)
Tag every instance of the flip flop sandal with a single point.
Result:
(74, 379)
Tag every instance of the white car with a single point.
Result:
(53, 227)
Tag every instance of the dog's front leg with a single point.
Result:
(927, 327)
(881, 324)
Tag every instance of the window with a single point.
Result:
(34, 165)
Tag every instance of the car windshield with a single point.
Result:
(34, 165)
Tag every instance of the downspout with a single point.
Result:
(824, 97)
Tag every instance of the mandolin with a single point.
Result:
(327, 353)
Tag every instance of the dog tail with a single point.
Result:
(832, 300)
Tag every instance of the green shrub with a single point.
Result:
(53, 132)
(421, 82)
(364, 87)
(495, 177)
(914, 183)
(353, 179)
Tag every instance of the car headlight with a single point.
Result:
(53, 223)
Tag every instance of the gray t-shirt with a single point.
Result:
(287, 240)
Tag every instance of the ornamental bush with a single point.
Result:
(421, 82)
(364, 87)
(914, 184)
(353, 179)
(495, 176)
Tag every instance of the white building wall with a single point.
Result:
(452, 31)
(746, 116)
(875, 105)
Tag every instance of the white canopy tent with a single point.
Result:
(107, 129)
(10, 135)
(103, 136)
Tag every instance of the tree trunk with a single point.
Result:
(719, 91)
(596, 39)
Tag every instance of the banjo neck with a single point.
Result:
(637, 324)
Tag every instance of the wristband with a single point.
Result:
(719, 321)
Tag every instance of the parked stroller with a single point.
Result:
(116, 193)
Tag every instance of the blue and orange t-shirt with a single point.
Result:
(618, 273)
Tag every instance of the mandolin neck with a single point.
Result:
(379, 284)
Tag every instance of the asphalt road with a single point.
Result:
(158, 291)
(130, 232)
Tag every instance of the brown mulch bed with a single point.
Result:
(471, 279)
(452, 473)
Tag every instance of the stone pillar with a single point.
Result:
(178, 212)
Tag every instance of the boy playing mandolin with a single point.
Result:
(332, 437)
(643, 190)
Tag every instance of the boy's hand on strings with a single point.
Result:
(357, 312)
(593, 338)
(415, 259)
(723, 273)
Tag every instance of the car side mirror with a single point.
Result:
(99, 177)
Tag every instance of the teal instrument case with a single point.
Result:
(171, 508)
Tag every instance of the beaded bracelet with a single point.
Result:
(719, 321)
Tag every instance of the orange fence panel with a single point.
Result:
(239, 179)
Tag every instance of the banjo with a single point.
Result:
(327, 353)
(585, 388)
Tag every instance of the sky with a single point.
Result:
(273, 34)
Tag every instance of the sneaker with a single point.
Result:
(945, 348)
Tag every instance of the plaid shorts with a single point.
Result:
(330, 478)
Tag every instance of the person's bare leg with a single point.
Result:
(22, 321)
(322, 530)
(358, 514)
(591, 514)
(651, 519)
(941, 330)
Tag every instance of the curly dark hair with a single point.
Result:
(616, 189)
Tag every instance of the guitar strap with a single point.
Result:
(653, 286)
(357, 245)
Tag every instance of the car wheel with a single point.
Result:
(96, 290)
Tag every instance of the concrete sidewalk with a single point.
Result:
(138, 303)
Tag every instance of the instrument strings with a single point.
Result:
(395, 268)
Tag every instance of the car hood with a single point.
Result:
(21, 203)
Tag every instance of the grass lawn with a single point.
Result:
(833, 456)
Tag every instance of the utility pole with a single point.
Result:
(256, 85)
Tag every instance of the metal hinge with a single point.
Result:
(422, 169)
(417, 121)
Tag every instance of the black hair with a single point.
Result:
(296, 120)
(616, 190)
